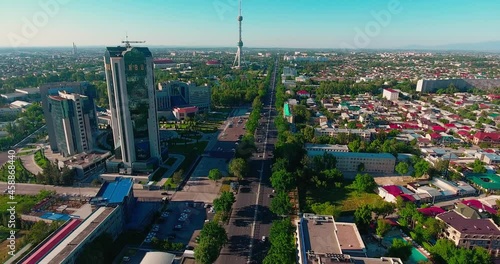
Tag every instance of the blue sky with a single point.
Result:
(271, 23)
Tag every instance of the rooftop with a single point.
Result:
(114, 192)
(86, 159)
(364, 155)
(327, 146)
(349, 237)
(320, 236)
(469, 226)
(64, 249)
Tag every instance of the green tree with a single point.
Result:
(383, 209)
(224, 202)
(282, 180)
(177, 177)
(282, 243)
(400, 249)
(364, 183)
(212, 238)
(361, 167)
(281, 204)
(214, 174)
(402, 168)
(308, 133)
(421, 168)
(238, 168)
(382, 227)
(363, 217)
(326, 209)
(478, 166)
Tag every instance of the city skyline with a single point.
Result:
(319, 24)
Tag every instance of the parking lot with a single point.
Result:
(179, 222)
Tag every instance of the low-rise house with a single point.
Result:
(484, 137)
(469, 233)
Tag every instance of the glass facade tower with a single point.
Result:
(131, 92)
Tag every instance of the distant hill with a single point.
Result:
(491, 46)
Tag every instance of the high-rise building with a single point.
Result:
(53, 89)
(180, 94)
(132, 100)
(71, 115)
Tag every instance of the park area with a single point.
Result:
(345, 198)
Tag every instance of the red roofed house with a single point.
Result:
(431, 211)
(434, 137)
(468, 233)
(164, 63)
(213, 62)
(438, 129)
(494, 97)
(181, 113)
(483, 106)
(390, 94)
(390, 192)
(479, 206)
(303, 93)
(484, 137)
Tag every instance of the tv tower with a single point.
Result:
(239, 53)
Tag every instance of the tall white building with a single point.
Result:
(390, 94)
(132, 100)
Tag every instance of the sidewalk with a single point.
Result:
(18, 254)
(171, 169)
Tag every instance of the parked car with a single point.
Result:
(263, 239)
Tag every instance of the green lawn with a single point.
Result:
(170, 184)
(190, 152)
(345, 197)
(40, 159)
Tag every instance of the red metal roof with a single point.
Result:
(431, 211)
(469, 226)
(189, 109)
(479, 206)
(493, 136)
(439, 128)
(52, 242)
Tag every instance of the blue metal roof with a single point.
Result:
(115, 192)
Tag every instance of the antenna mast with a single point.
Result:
(127, 42)
(239, 53)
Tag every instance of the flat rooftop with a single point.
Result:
(349, 237)
(319, 235)
(115, 192)
(86, 159)
(64, 249)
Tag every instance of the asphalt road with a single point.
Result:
(251, 217)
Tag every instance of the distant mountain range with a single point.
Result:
(491, 46)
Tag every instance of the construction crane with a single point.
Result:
(127, 42)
